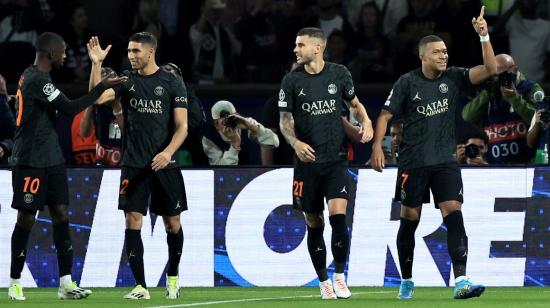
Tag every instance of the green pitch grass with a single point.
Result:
(287, 297)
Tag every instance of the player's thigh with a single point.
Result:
(168, 197)
(29, 188)
(307, 194)
(57, 192)
(412, 186)
(446, 184)
(336, 188)
(134, 190)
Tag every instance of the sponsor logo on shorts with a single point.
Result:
(28, 198)
(403, 195)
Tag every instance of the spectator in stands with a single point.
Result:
(257, 31)
(421, 21)
(338, 50)
(529, 37)
(329, 18)
(222, 141)
(147, 18)
(391, 12)
(104, 123)
(18, 31)
(215, 48)
(7, 124)
(504, 107)
(396, 134)
(538, 136)
(474, 150)
(76, 34)
(371, 62)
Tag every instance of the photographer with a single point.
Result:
(474, 150)
(538, 136)
(504, 108)
(223, 145)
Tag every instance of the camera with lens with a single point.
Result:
(507, 79)
(471, 151)
(229, 120)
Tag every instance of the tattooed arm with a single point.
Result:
(304, 152)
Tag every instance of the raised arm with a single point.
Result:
(97, 55)
(479, 73)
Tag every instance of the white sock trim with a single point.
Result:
(65, 280)
(460, 278)
(14, 281)
(339, 276)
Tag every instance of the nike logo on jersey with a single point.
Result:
(416, 97)
(132, 88)
(301, 92)
(344, 190)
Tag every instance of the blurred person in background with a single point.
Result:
(222, 141)
(7, 124)
(504, 107)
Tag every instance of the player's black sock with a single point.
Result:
(175, 246)
(19, 240)
(62, 241)
(457, 242)
(339, 241)
(134, 252)
(317, 251)
(405, 246)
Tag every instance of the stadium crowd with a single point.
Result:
(217, 42)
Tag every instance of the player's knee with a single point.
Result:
(59, 214)
(338, 223)
(26, 219)
(133, 220)
(315, 220)
(411, 213)
(172, 224)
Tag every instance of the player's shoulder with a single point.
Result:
(409, 77)
(335, 67)
(32, 74)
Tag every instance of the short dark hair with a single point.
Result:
(47, 40)
(313, 32)
(174, 67)
(428, 39)
(144, 38)
(478, 134)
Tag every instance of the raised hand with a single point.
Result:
(479, 23)
(111, 80)
(95, 52)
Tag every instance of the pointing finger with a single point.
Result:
(482, 12)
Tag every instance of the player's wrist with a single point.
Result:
(484, 38)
